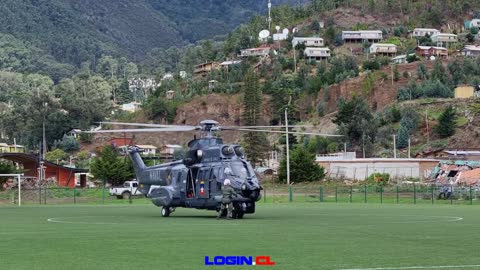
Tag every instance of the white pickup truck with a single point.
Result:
(129, 188)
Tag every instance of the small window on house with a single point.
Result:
(452, 173)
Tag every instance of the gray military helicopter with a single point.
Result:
(196, 180)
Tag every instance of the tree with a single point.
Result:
(446, 123)
(56, 156)
(396, 74)
(355, 121)
(111, 168)
(422, 72)
(438, 72)
(68, 144)
(256, 143)
(303, 167)
(5, 168)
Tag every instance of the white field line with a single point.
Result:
(447, 218)
(64, 221)
(416, 267)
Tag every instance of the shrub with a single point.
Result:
(379, 179)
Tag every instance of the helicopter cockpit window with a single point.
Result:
(237, 169)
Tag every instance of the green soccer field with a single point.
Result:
(296, 236)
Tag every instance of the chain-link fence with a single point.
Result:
(58, 196)
(401, 194)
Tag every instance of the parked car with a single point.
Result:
(129, 188)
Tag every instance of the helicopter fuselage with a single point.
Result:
(196, 181)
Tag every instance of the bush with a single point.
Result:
(379, 179)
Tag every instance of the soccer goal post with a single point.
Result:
(19, 181)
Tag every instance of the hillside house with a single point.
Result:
(471, 51)
(421, 32)
(279, 36)
(148, 150)
(202, 70)
(475, 23)
(313, 53)
(9, 148)
(260, 51)
(464, 91)
(169, 149)
(401, 59)
(442, 39)
(74, 132)
(144, 86)
(429, 51)
(227, 64)
(308, 41)
(383, 49)
(130, 107)
(363, 35)
(170, 94)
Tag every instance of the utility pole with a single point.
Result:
(269, 14)
(408, 147)
(294, 59)
(44, 140)
(287, 150)
(426, 124)
(394, 146)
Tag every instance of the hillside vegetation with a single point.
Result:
(86, 53)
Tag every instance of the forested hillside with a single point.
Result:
(77, 31)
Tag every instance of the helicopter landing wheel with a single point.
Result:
(165, 211)
(239, 215)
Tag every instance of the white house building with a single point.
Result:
(362, 35)
(147, 149)
(280, 36)
(313, 53)
(475, 23)
(308, 41)
(383, 48)
(444, 38)
(471, 51)
(260, 51)
(421, 32)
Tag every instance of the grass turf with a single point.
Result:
(296, 236)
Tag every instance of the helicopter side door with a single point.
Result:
(203, 183)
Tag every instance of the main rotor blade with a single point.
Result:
(173, 129)
(284, 132)
(238, 127)
(142, 124)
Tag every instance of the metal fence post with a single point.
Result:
(451, 199)
(381, 194)
(39, 195)
(414, 193)
(471, 196)
(321, 194)
(103, 193)
(397, 196)
(351, 193)
(365, 194)
(264, 195)
(45, 196)
(432, 193)
(74, 195)
(290, 191)
(336, 194)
